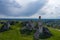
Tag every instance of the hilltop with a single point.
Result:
(14, 34)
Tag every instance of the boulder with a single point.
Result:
(25, 30)
(46, 33)
(36, 35)
(5, 27)
(13, 22)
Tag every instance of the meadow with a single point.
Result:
(14, 34)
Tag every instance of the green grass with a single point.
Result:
(56, 34)
(14, 34)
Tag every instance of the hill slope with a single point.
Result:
(14, 34)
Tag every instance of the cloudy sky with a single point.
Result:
(47, 9)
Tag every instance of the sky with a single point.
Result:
(47, 9)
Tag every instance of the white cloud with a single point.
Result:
(50, 11)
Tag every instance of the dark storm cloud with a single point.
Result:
(13, 9)
(33, 8)
(5, 5)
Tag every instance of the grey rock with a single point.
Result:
(5, 27)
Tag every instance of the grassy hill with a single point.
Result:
(14, 34)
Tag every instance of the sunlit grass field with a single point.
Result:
(14, 34)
